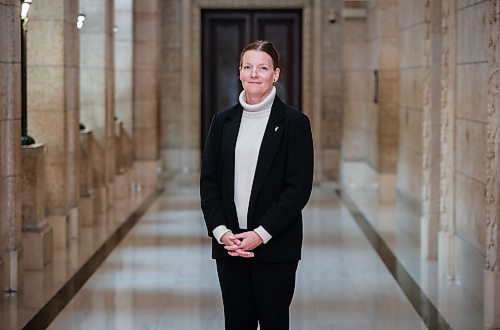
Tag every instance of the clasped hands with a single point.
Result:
(241, 245)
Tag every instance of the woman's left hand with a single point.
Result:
(249, 240)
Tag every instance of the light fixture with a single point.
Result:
(80, 20)
(25, 7)
(115, 28)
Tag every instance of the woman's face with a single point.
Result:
(257, 75)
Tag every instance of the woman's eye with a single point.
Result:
(246, 67)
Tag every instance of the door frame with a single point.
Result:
(311, 75)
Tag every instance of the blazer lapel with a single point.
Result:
(270, 143)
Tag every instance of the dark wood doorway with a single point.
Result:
(225, 33)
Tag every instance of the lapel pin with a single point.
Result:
(276, 128)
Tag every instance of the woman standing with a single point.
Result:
(256, 178)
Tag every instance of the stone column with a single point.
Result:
(492, 269)
(146, 86)
(431, 131)
(97, 93)
(52, 106)
(11, 252)
(388, 100)
(37, 233)
(446, 236)
(87, 194)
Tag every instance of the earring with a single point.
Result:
(274, 80)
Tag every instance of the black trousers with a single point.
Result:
(256, 292)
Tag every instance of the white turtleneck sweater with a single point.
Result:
(252, 127)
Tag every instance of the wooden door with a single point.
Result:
(225, 33)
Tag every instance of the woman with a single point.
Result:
(256, 178)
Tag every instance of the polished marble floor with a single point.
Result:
(161, 276)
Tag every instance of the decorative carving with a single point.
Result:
(493, 144)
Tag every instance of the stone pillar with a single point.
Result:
(492, 269)
(446, 236)
(123, 57)
(388, 99)
(146, 96)
(97, 93)
(431, 131)
(52, 106)
(87, 194)
(11, 252)
(37, 233)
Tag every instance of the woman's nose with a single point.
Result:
(254, 73)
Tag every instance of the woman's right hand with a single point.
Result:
(232, 244)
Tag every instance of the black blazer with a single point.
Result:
(281, 187)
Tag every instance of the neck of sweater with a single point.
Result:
(265, 104)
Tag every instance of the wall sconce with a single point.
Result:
(25, 7)
(25, 138)
(79, 21)
(115, 28)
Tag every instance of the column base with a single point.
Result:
(39, 247)
(446, 255)
(428, 237)
(73, 226)
(122, 186)
(492, 299)
(86, 210)
(111, 191)
(13, 270)
(387, 188)
(60, 229)
(146, 174)
(101, 201)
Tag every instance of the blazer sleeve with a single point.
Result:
(298, 179)
(210, 178)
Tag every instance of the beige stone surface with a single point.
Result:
(412, 46)
(45, 43)
(471, 149)
(410, 132)
(410, 88)
(14, 272)
(10, 132)
(39, 248)
(11, 47)
(410, 13)
(10, 91)
(472, 90)
(33, 183)
(470, 212)
(491, 298)
(410, 174)
(472, 33)
(57, 188)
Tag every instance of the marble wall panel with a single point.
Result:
(410, 130)
(10, 91)
(147, 141)
(93, 50)
(45, 43)
(354, 143)
(331, 163)
(410, 13)
(123, 21)
(45, 86)
(92, 91)
(471, 149)
(95, 16)
(472, 90)
(10, 135)
(410, 87)
(11, 47)
(410, 175)
(56, 171)
(473, 33)
(53, 122)
(123, 55)
(471, 211)
(412, 47)
(147, 59)
(354, 55)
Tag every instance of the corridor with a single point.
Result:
(161, 276)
